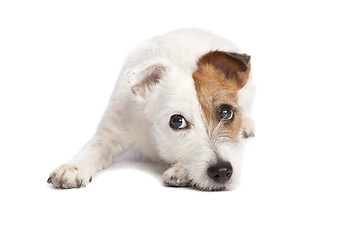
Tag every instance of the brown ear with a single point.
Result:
(233, 65)
(241, 58)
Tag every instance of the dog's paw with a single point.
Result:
(69, 176)
(248, 128)
(248, 133)
(176, 176)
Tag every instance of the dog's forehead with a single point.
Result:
(212, 86)
(178, 96)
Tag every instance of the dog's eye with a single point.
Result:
(226, 113)
(178, 122)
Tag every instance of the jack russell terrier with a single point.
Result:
(183, 98)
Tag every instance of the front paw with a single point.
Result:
(176, 176)
(69, 176)
(248, 133)
(248, 128)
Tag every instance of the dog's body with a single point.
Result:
(183, 98)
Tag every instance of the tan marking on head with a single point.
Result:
(219, 77)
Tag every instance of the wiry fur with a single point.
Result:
(138, 116)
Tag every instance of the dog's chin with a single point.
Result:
(210, 185)
(205, 183)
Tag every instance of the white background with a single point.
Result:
(58, 64)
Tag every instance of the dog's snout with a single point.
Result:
(220, 172)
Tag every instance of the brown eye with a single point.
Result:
(178, 122)
(226, 113)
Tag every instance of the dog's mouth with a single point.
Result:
(208, 184)
(212, 187)
(216, 177)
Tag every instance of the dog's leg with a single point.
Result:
(176, 176)
(96, 155)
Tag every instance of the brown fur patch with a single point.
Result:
(219, 77)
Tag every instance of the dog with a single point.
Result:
(184, 98)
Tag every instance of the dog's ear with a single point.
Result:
(145, 77)
(233, 65)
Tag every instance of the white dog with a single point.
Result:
(183, 98)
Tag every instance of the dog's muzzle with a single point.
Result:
(220, 172)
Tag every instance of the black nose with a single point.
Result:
(220, 172)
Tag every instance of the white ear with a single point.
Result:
(145, 77)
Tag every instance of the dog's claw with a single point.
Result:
(69, 176)
(247, 135)
(61, 185)
(248, 128)
(78, 183)
(176, 177)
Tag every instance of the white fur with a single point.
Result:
(142, 121)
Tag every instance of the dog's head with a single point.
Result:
(195, 116)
